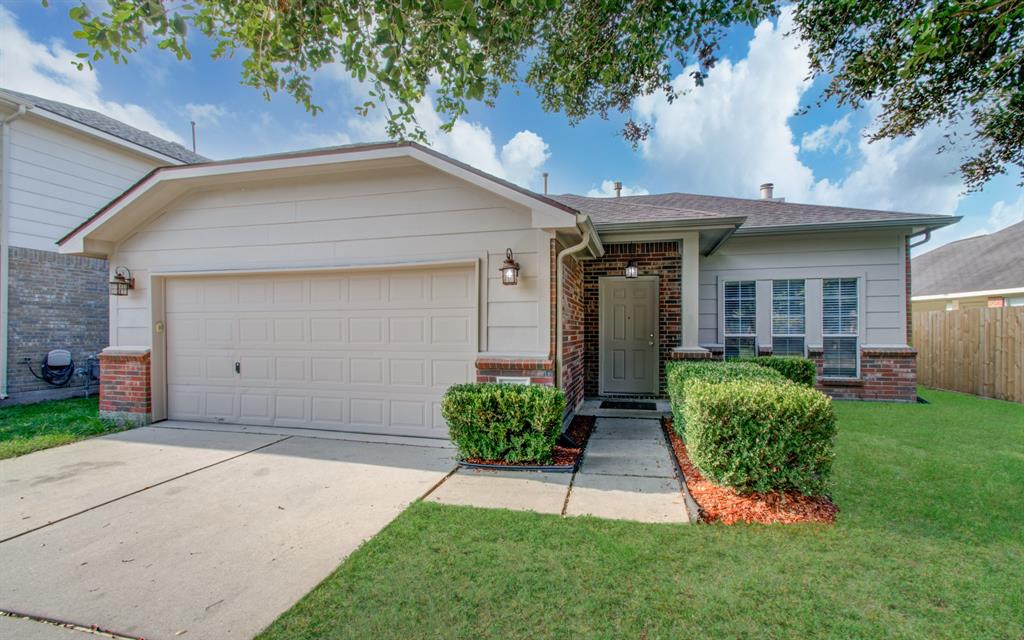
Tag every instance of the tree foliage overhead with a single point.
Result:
(956, 64)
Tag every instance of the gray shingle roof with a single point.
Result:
(759, 213)
(110, 126)
(982, 263)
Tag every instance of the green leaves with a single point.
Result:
(954, 63)
(510, 422)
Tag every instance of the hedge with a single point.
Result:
(757, 436)
(799, 370)
(510, 422)
(679, 374)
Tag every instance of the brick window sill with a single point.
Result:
(841, 382)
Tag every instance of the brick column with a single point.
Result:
(125, 385)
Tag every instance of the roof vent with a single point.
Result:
(618, 189)
(766, 191)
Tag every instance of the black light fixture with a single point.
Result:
(632, 271)
(509, 270)
(122, 282)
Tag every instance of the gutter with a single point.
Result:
(593, 242)
(5, 216)
(927, 236)
(934, 222)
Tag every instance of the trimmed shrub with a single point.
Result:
(679, 374)
(510, 422)
(799, 370)
(761, 436)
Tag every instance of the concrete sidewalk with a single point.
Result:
(627, 474)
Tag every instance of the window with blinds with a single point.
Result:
(840, 327)
(740, 318)
(788, 317)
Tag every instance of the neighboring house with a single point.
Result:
(983, 271)
(58, 165)
(347, 288)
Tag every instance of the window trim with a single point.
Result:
(725, 333)
(771, 317)
(856, 335)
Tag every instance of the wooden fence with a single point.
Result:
(979, 351)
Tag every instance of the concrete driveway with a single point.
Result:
(193, 533)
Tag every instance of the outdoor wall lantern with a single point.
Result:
(122, 282)
(631, 270)
(509, 270)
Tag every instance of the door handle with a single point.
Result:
(238, 367)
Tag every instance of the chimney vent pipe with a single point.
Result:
(767, 190)
(618, 189)
(545, 183)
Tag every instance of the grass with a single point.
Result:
(929, 544)
(31, 427)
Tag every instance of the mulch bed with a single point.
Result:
(720, 504)
(568, 457)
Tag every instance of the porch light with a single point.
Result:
(631, 270)
(122, 282)
(509, 270)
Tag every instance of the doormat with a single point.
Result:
(631, 405)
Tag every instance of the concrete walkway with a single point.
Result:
(627, 474)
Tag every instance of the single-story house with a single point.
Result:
(982, 271)
(58, 164)
(347, 288)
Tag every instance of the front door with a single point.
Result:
(629, 335)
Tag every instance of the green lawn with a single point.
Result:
(929, 544)
(31, 427)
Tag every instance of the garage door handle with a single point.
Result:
(238, 367)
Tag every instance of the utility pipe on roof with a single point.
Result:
(5, 217)
(560, 271)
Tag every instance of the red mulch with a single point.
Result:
(579, 430)
(720, 504)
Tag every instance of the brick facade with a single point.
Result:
(54, 302)
(573, 323)
(126, 394)
(662, 259)
(888, 374)
(538, 370)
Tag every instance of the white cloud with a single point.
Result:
(730, 135)
(520, 159)
(46, 71)
(205, 113)
(733, 133)
(828, 136)
(607, 190)
(1004, 213)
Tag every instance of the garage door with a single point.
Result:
(361, 351)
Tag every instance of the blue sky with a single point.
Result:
(724, 138)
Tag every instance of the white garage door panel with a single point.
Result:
(371, 351)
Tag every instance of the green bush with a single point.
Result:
(799, 370)
(679, 374)
(761, 436)
(510, 422)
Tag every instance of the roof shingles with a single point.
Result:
(110, 126)
(982, 263)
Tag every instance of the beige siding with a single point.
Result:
(408, 215)
(876, 258)
(59, 177)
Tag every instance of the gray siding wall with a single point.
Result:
(875, 258)
(55, 302)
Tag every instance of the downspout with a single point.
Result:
(5, 216)
(560, 271)
(926, 238)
